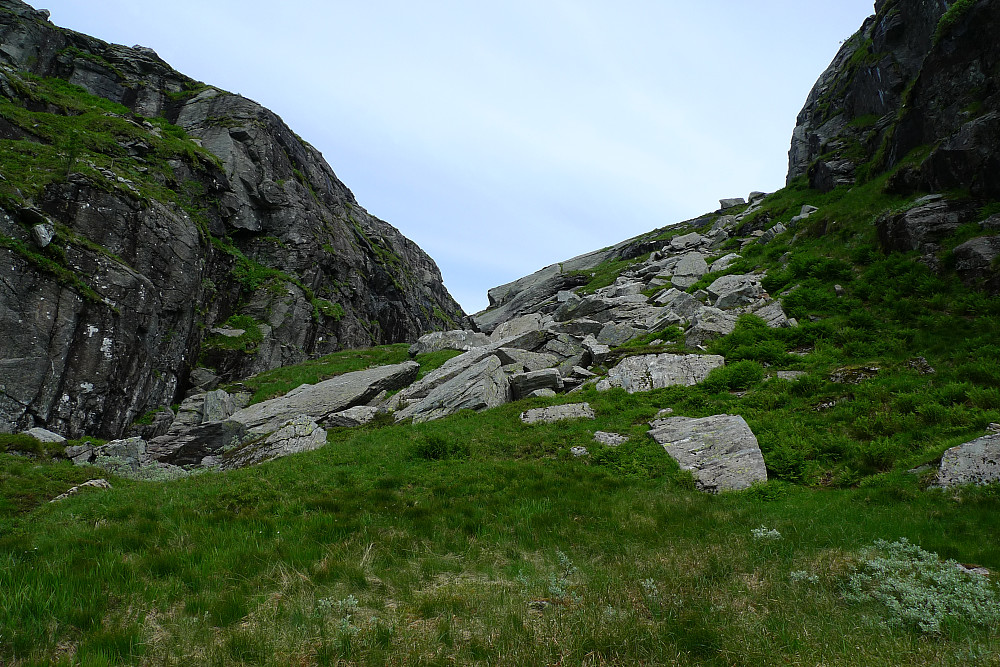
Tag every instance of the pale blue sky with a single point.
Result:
(509, 135)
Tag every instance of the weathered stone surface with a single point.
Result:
(482, 385)
(770, 234)
(218, 406)
(579, 451)
(89, 484)
(531, 361)
(720, 451)
(610, 439)
(300, 434)
(686, 242)
(524, 384)
(689, 270)
(557, 413)
(771, 312)
(709, 323)
(723, 262)
(542, 393)
(43, 234)
(325, 398)
(202, 379)
(975, 462)
(734, 291)
(791, 376)
(196, 444)
(458, 339)
(976, 258)
(680, 303)
(731, 202)
(598, 351)
(578, 327)
(43, 435)
(617, 334)
(519, 326)
(656, 371)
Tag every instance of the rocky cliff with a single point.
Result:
(153, 226)
(915, 87)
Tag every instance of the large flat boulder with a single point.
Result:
(975, 462)
(720, 451)
(320, 400)
(708, 323)
(523, 384)
(458, 339)
(734, 291)
(482, 385)
(656, 371)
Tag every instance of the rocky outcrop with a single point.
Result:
(300, 434)
(917, 75)
(975, 462)
(198, 210)
(321, 400)
(459, 339)
(657, 371)
(720, 451)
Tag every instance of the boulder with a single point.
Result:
(977, 258)
(299, 434)
(203, 379)
(731, 203)
(922, 227)
(656, 371)
(578, 327)
(617, 334)
(689, 270)
(42, 234)
(542, 393)
(756, 196)
(482, 385)
(199, 445)
(531, 361)
(598, 351)
(458, 339)
(43, 435)
(723, 262)
(709, 323)
(975, 462)
(686, 242)
(610, 439)
(680, 303)
(771, 312)
(770, 234)
(720, 451)
(359, 415)
(325, 398)
(520, 325)
(557, 413)
(218, 406)
(523, 384)
(735, 290)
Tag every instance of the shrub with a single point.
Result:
(436, 448)
(921, 591)
(734, 377)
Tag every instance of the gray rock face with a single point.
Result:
(734, 291)
(198, 445)
(523, 384)
(520, 326)
(300, 434)
(680, 303)
(617, 334)
(975, 259)
(43, 435)
(721, 451)
(922, 227)
(975, 462)
(557, 413)
(91, 357)
(320, 400)
(482, 385)
(724, 262)
(359, 415)
(532, 361)
(731, 202)
(656, 371)
(689, 270)
(709, 323)
(448, 340)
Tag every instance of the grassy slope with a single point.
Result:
(479, 539)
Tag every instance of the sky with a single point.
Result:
(505, 136)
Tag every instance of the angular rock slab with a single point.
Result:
(557, 413)
(975, 462)
(481, 386)
(656, 371)
(524, 384)
(721, 451)
(299, 434)
(359, 415)
(325, 398)
(458, 339)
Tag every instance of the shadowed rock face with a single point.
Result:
(155, 248)
(900, 84)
